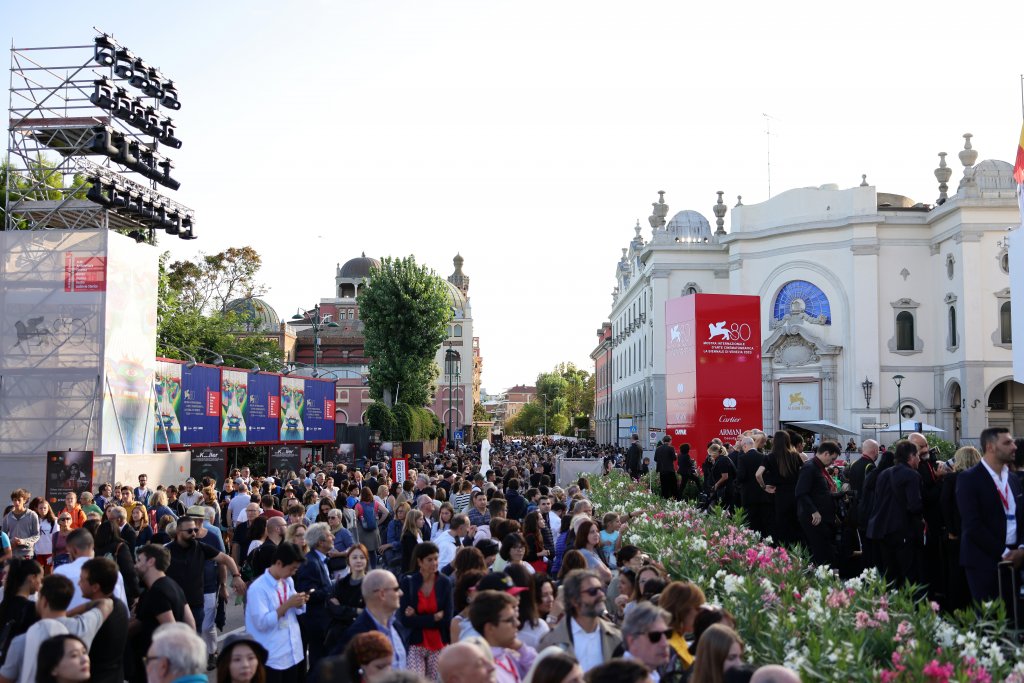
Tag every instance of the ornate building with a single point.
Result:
(259, 318)
(856, 285)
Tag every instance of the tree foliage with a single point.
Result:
(480, 413)
(212, 281)
(405, 311)
(565, 396)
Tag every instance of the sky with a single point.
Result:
(531, 136)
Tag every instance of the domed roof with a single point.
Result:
(689, 226)
(255, 314)
(457, 299)
(358, 267)
(994, 174)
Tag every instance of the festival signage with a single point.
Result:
(187, 405)
(712, 368)
(799, 401)
(399, 469)
(319, 410)
(66, 472)
(209, 462)
(285, 459)
(234, 399)
(263, 408)
(293, 409)
(346, 454)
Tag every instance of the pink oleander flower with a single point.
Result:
(863, 620)
(882, 616)
(837, 599)
(902, 631)
(939, 672)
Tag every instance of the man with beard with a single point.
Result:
(583, 633)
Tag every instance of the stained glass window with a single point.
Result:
(809, 298)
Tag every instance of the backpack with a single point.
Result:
(368, 518)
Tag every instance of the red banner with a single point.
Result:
(712, 369)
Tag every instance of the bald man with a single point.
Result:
(465, 663)
(856, 474)
(773, 673)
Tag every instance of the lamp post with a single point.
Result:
(898, 379)
(318, 322)
(545, 415)
(866, 386)
(451, 361)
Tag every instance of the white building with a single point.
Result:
(857, 286)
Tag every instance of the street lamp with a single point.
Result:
(866, 385)
(318, 322)
(191, 359)
(899, 400)
(451, 365)
(545, 415)
(255, 369)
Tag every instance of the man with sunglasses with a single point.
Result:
(495, 615)
(583, 632)
(645, 634)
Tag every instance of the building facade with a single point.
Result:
(511, 401)
(603, 421)
(857, 286)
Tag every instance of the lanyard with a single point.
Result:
(282, 594)
(510, 669)
(1003, 497)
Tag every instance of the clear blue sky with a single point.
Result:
(530, 136)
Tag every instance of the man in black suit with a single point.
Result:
(665, 465)
(634, 456)
(754, 499)
(988, 497)
(687, 470)
(314, 579)
(815, 503)
(896, 522)
(856, 474)
(517, 505)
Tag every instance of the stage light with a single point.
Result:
(103, 96)
(140, 77)
(173, 223)
(188, 225)
(123, 102)
(104, 50)
(125, 155)
(138, 118)
(152, 123)
(95, 193)
(154, 86)
(125, 63)
(102, 142)
(167, 134)
(170, 98)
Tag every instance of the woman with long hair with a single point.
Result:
(368, 657)
(682, 600)
(109, 544)
(18, 610)
(531, 626)
(777, 476)
(513, 552)
(573, 559)
(139, 522)
(241, 660)
(719, 649)
(426, 609)
(461, 628)
(533, 532)
(347, 600)
(391, 550)
(159, 504)
(588, 542)
(210, 501)
(411, 537)
(444, 520)
(62, 659)
(326, 505)
(554, 666)
(257, 534)
(371, 515)
(47, 525)
(296, 533)
(546, 590)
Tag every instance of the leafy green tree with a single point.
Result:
(212, 281)
(480, 413)
(405, 311)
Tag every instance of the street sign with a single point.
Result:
(632, 429)
(458, 435)
(875, 425)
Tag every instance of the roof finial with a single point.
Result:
(719, 210)
(657, 218)
(739, 200)
(943, 173)
(968, 155)
(364, 254)
(864, 180)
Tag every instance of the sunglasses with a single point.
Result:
(594, 592)
(656, 636)
(193, 530)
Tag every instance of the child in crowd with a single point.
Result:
(611, 537)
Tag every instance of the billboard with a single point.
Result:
(187, 402)
(799, 401)
(67, 471)
(712, 368)
(209, 462)
(293, 409)
(264, 408)
(319, 417)
(284, 459)
(234, 401)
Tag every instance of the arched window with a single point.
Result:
(905, 331)
(458, 331)
(953, 342)
(801, 296)
(1005, 319)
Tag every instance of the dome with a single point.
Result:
(358, 267)
(457, 299)
(689, 226)
(993, 174)
(256, 314)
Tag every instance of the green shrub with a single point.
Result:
(382, 419)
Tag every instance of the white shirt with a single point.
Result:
(238, 505)
(84, 626)
(587, 646)
(446, 549)
(329, 492)
(73, 571)
(1002, 482)
(531, 635)
(279, 635)
(655, 676)
(189, 499)
(554, 523)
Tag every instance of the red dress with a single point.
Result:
(427, 604)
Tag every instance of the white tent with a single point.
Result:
(909, 427)
(822, 427)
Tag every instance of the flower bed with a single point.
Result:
(789, 612)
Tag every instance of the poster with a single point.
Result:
(346, 454)
(399, 468)
(293, 408)
(187, 405)
(208, 462)
(67, 471)
(799, 401)
(264, 408)
(285, 459)
(712, 368)
(234, 397)
(319, 410)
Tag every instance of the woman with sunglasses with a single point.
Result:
(47, 525)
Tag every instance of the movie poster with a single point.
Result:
(293, 409)
(187, 405)
(319, 414)
(209, 462)
(264, 408)
(285, 459)
(67, 471)
(346, 454)
(234, 396)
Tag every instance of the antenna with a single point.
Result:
(768, 135)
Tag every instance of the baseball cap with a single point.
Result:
(270, 480)
(499, 581)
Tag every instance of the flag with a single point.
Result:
(1018, 168)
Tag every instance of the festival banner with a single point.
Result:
(263, 408)
(234, 393)
(209, 462)
(285, 459)
(187, 405)
(399, 469)
(293, 408)
(319, 413)
(66, 472)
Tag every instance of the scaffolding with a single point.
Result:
(88, 132)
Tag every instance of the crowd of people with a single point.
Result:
(457, 574)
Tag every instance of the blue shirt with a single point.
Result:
(396, 639)
(343, 540)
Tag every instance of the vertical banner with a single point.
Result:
(713, 368)
(293, 409)
(264, 408)
(285, 459)
(209, 462)
(319, 410)
(399, 468)
(1016, 253)
(188, 406)
(234, 397)
(66, 472)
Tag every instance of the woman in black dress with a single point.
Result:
(778, 478)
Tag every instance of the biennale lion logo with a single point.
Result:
(234, 396)
(675, 334)
(718, 330)
(796, 400)
(168, 406)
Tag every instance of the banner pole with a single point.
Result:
(113, 404)
(92, 415)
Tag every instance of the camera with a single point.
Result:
(933, 452)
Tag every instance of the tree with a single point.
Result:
(480, 413)
(405, 311)
(211, 282)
